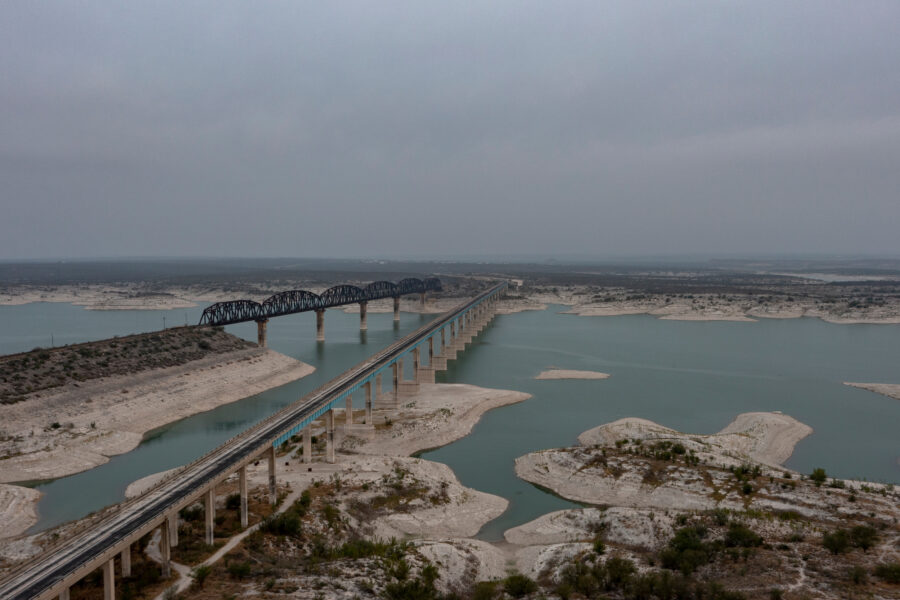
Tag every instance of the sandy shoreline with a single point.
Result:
(755, 438)
(101, 418)
(891, 390)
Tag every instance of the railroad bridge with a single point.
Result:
(109, 541)
(297, 301)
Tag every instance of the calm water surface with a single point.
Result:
(73, 497)
(688, 375)
(692, 376)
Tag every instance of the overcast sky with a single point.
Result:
(461, 128)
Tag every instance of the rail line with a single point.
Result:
(43, 576)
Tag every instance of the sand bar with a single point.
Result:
(571, 374)
(891, 390)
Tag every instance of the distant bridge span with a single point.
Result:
(296, 301)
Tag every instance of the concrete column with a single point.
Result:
(362, 316)
(173, 529)
(307, 444)
(109, 582)
(369, 402)
(165, 551)
(273, 490)
(443, 338)
(349, 410)
(320, 325)
(422, 299)
(378, 389)
(396, 308)
(64, 595)
(261, 332)
(396, 367)
(210, 502)
(245, 515)
(452, 331)
(431, 351)
(329, 437)
(125, 559)
(416, 361)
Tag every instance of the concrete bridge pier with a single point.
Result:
(273, 488)
(165, 550)
(348, 421)
(363, 326)
(245, 515)
(125, 561)
(396, 309)
(329, 436)
(320, 325)
(261, 327)
(65, 595)
(397, 370)
(422, 299)
(210, 510)
(307, 444)
(369, 403)
(109, 582)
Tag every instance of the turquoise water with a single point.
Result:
(74, 496)
(693, 376)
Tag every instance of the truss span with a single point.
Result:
(295, 301)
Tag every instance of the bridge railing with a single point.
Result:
(296, 301)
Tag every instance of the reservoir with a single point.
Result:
(689, 375)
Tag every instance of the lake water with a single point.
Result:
(692, 376)
(67, 498)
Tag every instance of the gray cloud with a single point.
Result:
(425, 129)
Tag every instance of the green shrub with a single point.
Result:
(484, 590)
(863, 536)
(239, 570)
(687, 550)
(200, 574)
(233, 501)
(818, 476)
(286, 523)
(837, 542)
(889, 572)
(741, 536)
(518, 585)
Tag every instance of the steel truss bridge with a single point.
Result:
(296, 301)
(50, 573)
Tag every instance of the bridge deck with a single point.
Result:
(41, 577)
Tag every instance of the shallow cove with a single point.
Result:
(178, 443)
(693, 376)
